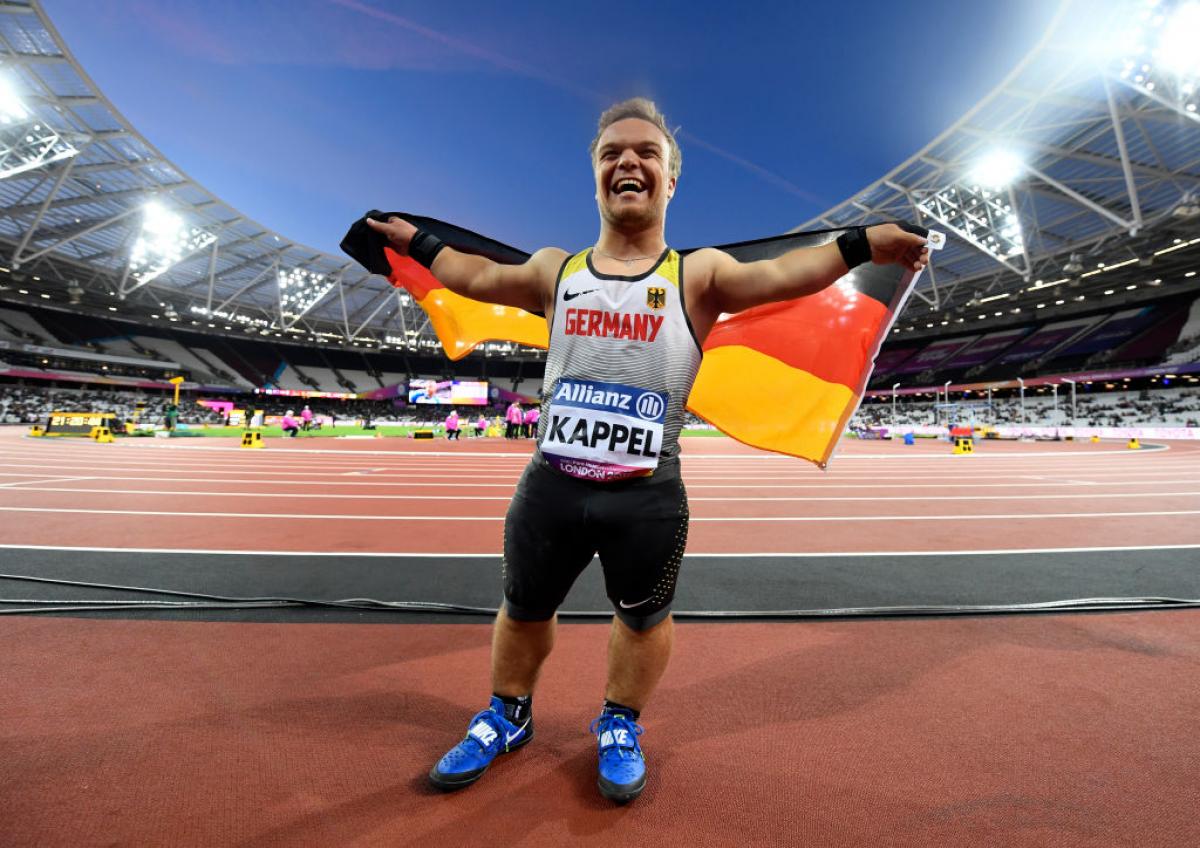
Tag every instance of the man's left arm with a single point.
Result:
(732, 286)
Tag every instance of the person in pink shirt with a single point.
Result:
(529, 418)
(535, 416)
(306, 418)
(514, 418)
(452, 425)
(481, 427)
(290, 425)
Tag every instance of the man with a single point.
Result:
(452, 425)
(306, 419)
(514, 416)
(289, 425)
(627, 320)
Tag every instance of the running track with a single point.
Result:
(397, 496)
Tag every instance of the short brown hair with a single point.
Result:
(646, 110)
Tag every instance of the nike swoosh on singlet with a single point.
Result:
(624, 605)
(572, 295)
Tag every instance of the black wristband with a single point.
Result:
(425, 247)
(855, 248)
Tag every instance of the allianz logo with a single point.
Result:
(648, 406)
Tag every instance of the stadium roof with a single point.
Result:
(1086, 156)
(1101, 149)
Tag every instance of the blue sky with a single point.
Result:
(303, 114)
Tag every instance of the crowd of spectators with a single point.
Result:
(1158, 408)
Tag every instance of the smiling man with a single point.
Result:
(627, 321)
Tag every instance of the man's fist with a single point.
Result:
(891, 245)
(398, 232)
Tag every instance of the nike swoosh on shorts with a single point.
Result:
(624, 605)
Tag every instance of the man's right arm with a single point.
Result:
(529, 286)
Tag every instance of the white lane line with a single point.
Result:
(422, 479)
(1047, 454)
(25, 483)
(799, 518)
(815, 499)
(496, 555)
(311, 495)
(325, 483)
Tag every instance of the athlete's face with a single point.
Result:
(632, 167)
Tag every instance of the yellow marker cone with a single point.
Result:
(1134, 444)
(252, 439)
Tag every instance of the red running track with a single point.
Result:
(401, 496)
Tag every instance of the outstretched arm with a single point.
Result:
(733, 286)
(529, 286)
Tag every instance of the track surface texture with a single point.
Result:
(316, 728)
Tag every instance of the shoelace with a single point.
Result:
(606, 723)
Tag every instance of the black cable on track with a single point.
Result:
(205, 601)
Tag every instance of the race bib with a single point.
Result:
(603, 431)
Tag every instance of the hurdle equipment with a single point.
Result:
(37, 431)
(422, 434)
(963, 445)
(1134, 444)
(102, 435)
(252, 440)
(1095, 440)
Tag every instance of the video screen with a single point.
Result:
(463, 392)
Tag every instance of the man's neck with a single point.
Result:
(630, 245)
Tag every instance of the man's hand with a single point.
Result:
(891, 245)
(398, 232)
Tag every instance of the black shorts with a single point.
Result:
(557, 523)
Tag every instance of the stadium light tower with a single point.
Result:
(1156, 54)
(299, 291)
(895, 423)
(25, 141)
(946, 389)
(980, 208)
(165, 241)
(1022, 382)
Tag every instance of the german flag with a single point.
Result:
(784, 377)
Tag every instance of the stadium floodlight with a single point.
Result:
(165, 240)
(1158, 55)
(998, 169)
(980, 215)
(11, 106)
(299, 291)
(25, 141)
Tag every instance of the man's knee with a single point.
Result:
(643, 624)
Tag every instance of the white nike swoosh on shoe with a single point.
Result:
(509, 737)
(624, 605)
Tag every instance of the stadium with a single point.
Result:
(253, 504)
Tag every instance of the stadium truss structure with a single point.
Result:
(1080, 171)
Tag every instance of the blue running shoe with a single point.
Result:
(622, 766)
(489, 735)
